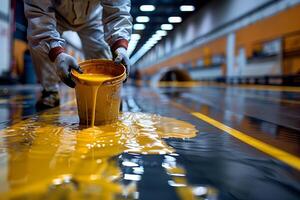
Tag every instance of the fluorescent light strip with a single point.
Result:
(147, 8)
(166, 27)
(133, 42)
(187, 8)
(135, 36)
(139, 54)
(175, 19)
(139, 26)
(142, 19)
(161, 32)
(156, 37)
(150, 43)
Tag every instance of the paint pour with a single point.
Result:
(98, 91)
(87, 98)
(51, 155)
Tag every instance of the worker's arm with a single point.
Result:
(43, 37)
(117, 28)
(42, 33)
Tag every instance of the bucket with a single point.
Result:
(98, 91)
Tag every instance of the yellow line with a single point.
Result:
(281, 155)
(224, 85)
(269, 88)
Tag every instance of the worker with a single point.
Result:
(104, 27)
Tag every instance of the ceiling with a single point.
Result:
(163, 10)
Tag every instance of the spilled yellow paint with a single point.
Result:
(281, 155)
(51, 155)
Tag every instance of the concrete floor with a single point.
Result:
(247, 145)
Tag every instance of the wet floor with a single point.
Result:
(182, 141)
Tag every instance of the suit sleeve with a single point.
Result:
(42, 33)
(117, 22)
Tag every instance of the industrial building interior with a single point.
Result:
(210, 109)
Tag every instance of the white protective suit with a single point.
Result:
(100, 24)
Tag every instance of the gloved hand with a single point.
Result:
(121, 56)
(64, 63)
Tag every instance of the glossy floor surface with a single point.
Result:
(175, 141)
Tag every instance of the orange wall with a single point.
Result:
(215, 47)
(270, 28)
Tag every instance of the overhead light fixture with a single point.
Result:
(140, 53)
(142, 19)
(151, 41)
(174, 19)
(147, 8)
(132, 44)
(139, 26)
(156, 37)
(187, 8)
(161, 32)
(166, 27)
(148, 45)
(135, 37)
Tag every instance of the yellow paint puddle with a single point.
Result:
(50, 155)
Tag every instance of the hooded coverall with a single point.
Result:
(102, 25)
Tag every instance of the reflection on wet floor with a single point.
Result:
(51, 150)
(167, 155)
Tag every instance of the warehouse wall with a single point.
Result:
(205, 34)
(211, 17)
(4, 36)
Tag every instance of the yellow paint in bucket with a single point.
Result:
(98, 91)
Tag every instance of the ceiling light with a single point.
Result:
(139, 26)
(142, 19)
(187, 8)
(156, 37)
(132, 43)
(161, 32)
(147, 8)
(135, 37)
(174, 19)
(166, 27)
(151, 41)
(148, 45)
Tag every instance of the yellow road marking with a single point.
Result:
(269, 87)
(281, 155)
(223, 85)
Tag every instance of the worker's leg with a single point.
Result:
(45, 69)
(46, 74)
(93, 43)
